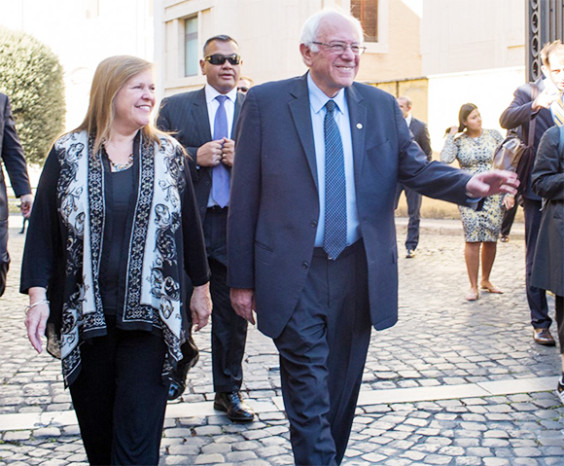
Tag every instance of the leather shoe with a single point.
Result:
(233, 404)
(410, 254)
(542, 336)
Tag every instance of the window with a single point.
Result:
(366, 11)
(191, 46)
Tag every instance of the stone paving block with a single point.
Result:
(246, 445)
(182, 460)
(495, 443)
(273, 450)
(437, 459)
(491, 461)
(77, 458)
(209, 459)
(398, 462)
(413, 455)
(525, 461)
(221, 448)
(468, 461)
(47, 432)
(373, 457)
(284, 459)
(184, 449)
(16, 435)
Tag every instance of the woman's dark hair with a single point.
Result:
(465, 110)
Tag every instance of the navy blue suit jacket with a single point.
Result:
(421, 136)
(12, 156)
(275, 206)
(186, 115)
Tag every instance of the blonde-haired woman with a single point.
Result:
(113, 230)
(473, 147)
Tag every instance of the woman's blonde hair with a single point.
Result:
(109, 77)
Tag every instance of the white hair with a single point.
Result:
(311, 26)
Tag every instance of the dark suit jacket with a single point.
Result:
(14, 162)
(275, 206)
(421, 136)
(186, 115)
(12, 156)
(520, 113)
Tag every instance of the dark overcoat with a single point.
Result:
(548, 181)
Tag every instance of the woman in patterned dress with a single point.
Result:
(473, 147)
(114, 229)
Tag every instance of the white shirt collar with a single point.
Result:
(318, 99)
(212, 93)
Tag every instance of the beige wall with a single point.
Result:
(465, 35)
(268, 33)
(401, 57)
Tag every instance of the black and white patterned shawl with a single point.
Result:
(153, 295)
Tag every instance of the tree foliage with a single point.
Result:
(32, 77)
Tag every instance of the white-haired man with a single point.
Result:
(311, 238)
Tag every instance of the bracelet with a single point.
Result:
(38, 303)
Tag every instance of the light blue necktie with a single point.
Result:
(335, 239)
(220, 173)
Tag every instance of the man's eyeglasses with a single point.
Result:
(341, 47)
(219, 59)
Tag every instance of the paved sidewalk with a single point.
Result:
(452, 383)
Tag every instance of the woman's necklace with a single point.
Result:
(117, 167)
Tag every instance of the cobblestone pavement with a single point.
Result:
(453, 383)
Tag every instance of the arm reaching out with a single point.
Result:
(492, 182)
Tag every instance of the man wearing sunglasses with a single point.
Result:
(203, 121)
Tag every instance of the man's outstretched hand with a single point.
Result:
(492, 182)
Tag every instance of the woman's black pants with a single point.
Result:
(119, 397)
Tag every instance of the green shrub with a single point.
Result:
(32, 77)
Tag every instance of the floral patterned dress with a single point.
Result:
(475, 155)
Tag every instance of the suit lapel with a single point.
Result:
(299, 108)
(357, 115)
(238, 104)
(199, 116)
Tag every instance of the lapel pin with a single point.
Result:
(359, 125)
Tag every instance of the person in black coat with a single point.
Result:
(14, 162)
(421, 135)
(548, 264)
(535, 102)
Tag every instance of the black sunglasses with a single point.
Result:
(219, 59)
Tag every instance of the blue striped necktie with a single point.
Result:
(220, 173)
(335, 239)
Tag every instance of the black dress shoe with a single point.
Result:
(233, 404)
(542, 336)
(190, 356)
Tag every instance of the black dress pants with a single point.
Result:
(414, 200)
(535, 296)
(322, 354)
(228, 330)
(119, 397)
